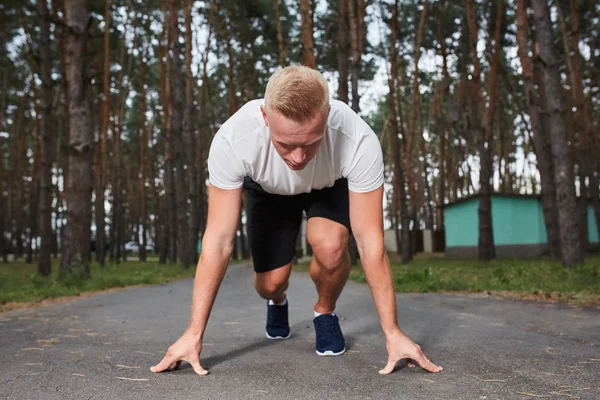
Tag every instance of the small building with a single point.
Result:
(517, 221)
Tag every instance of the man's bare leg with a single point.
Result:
(272, 285)
(330, 265)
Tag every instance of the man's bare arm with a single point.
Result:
(366, 218)
(217, 245)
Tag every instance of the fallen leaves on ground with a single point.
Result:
(530, 394)
(132, 379)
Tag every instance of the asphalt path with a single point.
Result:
(102, 347)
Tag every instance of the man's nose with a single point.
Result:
(298, 155)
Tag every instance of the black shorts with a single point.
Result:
(273, 221)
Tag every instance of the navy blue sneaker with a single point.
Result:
(330, 341)
(278, 326)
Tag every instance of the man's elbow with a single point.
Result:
(216, 247)
(371, 247)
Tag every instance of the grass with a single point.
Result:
(538, 279)
(20, 282)
(524, 279)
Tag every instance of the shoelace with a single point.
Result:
(326, 327)
(277, 317)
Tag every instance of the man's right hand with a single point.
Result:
(187, 349)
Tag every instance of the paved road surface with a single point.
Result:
(490, 349)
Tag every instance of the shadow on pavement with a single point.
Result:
(211, 361)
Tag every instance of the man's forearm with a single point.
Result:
(379, 277)
(209, 274)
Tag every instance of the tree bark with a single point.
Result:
(101, 171)
(17, 195)
(3, 252)
(280, 42)
(486, 247)
(34, 186)
(143, 160)
(308, 50)
(356, 16)
(116, 230)
(582, 118)
(568, 220)
(343, 50)
(204, 128)
(3, 90)
(177, 104)
(541, 142)
(190, 141)
(76, 251)
(414, 107)
(170, 203)
(46, 145)
(398, 182)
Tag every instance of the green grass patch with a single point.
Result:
(538, 279)
(21, 283)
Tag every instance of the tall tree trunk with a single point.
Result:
(3, 87)
(190, 142)
(204, 128)
(444, 153)
(76, 251)
(17, 174)
(280, 41)
(356, 16)
(414, 107)
(46, 145)
(568, 220)
(343, 50)
(582, 118)
(100, 211)
(486, 247)
(170, 204)
(3, 252)
(428, 198)
(398, 182)
(307, 34)
(34, 187)
(143, 221)
(177, 101)
(542, 146)
(62, 150)
(117, 220)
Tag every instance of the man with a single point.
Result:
(293, 152)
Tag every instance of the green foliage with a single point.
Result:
(20, 282)
(540, 279)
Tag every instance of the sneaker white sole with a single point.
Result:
(330, 353)
(278, 337)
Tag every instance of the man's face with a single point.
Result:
(297, 143)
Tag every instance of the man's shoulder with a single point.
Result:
(244, 121)
(344, 120)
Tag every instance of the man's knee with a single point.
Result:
(330, 250)
(271, 284)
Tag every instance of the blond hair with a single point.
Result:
(297, 92)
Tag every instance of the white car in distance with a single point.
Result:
(134, 247)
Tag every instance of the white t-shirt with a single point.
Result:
(242, 147)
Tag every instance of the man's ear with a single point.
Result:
(264, 115)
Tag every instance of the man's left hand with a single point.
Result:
(400, 347)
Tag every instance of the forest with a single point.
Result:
(108, 109)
